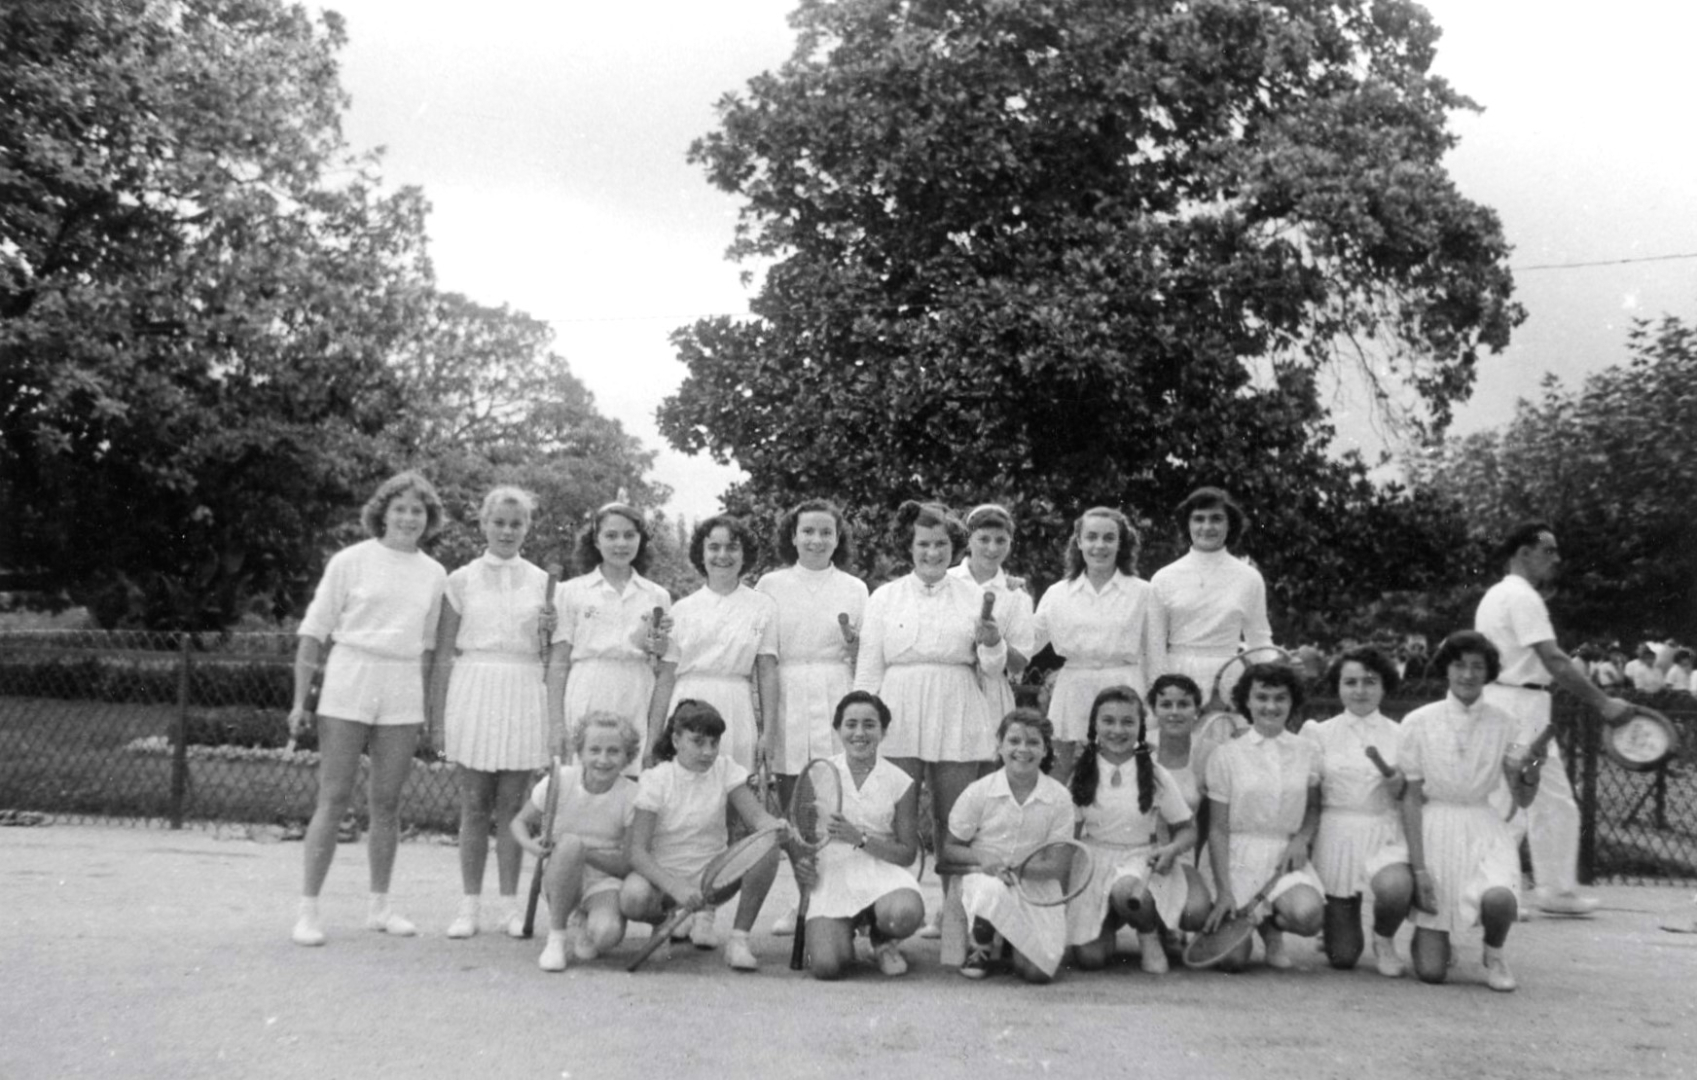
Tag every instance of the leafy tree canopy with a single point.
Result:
(1613, 467)
(1094, 252)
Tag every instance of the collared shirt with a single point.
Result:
(809, 602)
(599, 619)
(1348, 780)
(988, 817)
(1456, 750)
(689, 811)
(715, 634)
(1122, 624)
(1264, 781)
(1013, 608)
(1115, 818)
(1513, 616)
(1213, 600)
(910, 622)
(499, 602)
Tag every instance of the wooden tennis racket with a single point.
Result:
(313, 690)
(987, 610)
(1211, 946)
(654, 637)
(1066, 861)
(1221, 721)
(550, 807)
(816, 799)
(1642, 743)
(719, 881)
(546, 644)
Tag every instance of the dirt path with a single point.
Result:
(133, 953)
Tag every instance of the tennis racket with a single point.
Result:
(1211, 946)
(1221, 721)
(653, 635)
(1644, 742)
(987, 610)
(550, 807)
(1070, 858)
(313, 690)
(719, 883)
(546, 643)
(817, 798)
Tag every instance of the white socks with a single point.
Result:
(379, 917)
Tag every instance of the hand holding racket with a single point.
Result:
(1065, 861)
(988, 634)
(548, 617)
(1226, 930)
(1425, 892)
(545, 841)
(302, 719)
(1642, 740)
(816, 806)
(719, 882)
(1399, 782)
(845, 626)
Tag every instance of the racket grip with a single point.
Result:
(987, 610)
(1379, 762)
(845, 626)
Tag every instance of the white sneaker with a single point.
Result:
(737, 953)
(465, 923)
(553, 956)
(890, 959)
(1384, 955)
(307, 930)
(387, 922)
(784, 926)
(1274, 942)
(1152, 957)
(701, 931)
(1497, 975)
(514, 922)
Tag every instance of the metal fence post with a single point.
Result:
(1590, 742)
(180, 738)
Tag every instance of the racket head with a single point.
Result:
(1218, 701)
(720, 878)
(815, 799)
(1209, 948)
(1644, 743)
(1029, 878)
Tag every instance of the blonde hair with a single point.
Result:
(504, 494)
(602, 718)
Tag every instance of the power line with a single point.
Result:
(1603, 262)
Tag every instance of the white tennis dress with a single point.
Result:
(815, 666)
(851, 881)
(496, 713)
(1123, 838)
(1360, 823)
(989, 818)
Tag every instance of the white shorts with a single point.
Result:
(369, 688)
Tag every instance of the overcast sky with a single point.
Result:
(550, 139)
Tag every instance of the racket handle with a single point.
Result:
(1380, 763)
(845, 627)
(987, 610)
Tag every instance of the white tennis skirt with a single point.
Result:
(1352, 846)
(733, 696)
(851, 881)
(808, 694)
(1075, 691)
(621, 687)
(1254, 858)
(496, 716)
(1039, 933)
(1113, 864)
(938, 712)
(1469, 851)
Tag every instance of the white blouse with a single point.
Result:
(909, 622)
(499, 602)
(1114, 817)
(715, 634)
(378, 599)
(1123, 623)
(1012, 612)
(808, 603)
(1348, 780)
(1212, 599)
(599, 619)
(1264, 781)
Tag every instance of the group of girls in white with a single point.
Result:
(663, 713)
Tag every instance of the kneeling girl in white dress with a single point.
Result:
(996, 822)
(587, 863)
(1121, 798)
(1264, 806)
(861, 876)
(1456, 753)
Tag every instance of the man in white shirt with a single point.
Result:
(1645, 677)
(1514, 617)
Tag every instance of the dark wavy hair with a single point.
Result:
(1212, 498)
(1524, 534)
(589, 556)
(371, 514)
(1087, 774)
(1170, 679)
(861, 697)
(690, 715)
(1461, 643)
(1031, 718)
(1131, 542)
(989, 516)
(743, 535)
(784, 541)
(912, 515)
(1269, 675)
(1370, 658)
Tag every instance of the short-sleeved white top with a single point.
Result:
(375, 598)
(689, 811)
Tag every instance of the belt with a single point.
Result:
(1541, 687)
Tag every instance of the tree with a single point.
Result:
(1613, 467)
(490, 402)
(1089, 252)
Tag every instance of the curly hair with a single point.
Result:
(1272, 675)
(1212, 498)
(371, 515)
(1036, 721)
(1131, 543)
(1461, 643)
(740, 532)
(629, 737)
(862, 697)
(912, 515)
(784, 541)
(1371, 659)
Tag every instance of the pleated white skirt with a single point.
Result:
(496, 712)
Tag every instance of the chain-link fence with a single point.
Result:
(168, 729)
(191, 728)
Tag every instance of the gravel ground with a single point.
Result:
(132, 953)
